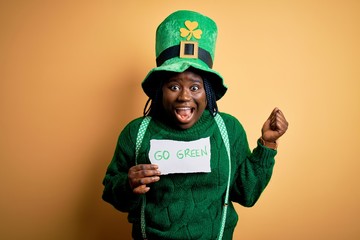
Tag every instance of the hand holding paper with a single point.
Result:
(141, 175)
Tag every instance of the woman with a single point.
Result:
(167, 193)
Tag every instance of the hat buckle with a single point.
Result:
(189, 49)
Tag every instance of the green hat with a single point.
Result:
(185, 39)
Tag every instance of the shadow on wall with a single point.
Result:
(97, 219)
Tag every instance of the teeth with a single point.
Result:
(184, 112)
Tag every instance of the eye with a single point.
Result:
(174, 87)
(194, 87)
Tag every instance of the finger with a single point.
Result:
(143, 170)
(138, 172)
(143, 173)
(280, 118)
(148, 180)
(141, 189)
(141, 167)
(277, 127)
(134, 183)
(273, 124)
(277, 124)
(280, 115)
(273, 118)
(273, 113)
(276, 115)
(281, 128)
(145, 181)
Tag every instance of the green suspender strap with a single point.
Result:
(225, 137)
(142, 129)
(221, 125)
(139, 138)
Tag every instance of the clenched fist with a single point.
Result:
(275, 126)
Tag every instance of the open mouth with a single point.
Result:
(184, 113)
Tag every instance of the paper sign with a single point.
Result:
(179, 156)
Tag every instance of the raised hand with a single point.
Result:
(275, 126)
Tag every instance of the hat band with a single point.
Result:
(174, 51)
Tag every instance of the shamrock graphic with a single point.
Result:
(191, 30)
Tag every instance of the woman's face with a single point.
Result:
(184, 98)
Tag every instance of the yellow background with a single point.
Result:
(70, 74)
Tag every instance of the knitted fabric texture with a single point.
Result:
(189, 206)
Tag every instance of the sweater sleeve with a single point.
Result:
(253, 169)
(117, 189)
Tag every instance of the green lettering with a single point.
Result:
(191, 153)
(187, 153)
(179, 154)
(157, 155)
(160, 155)
(204, 151)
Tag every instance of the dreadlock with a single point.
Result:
(211, 98)
(155, 103)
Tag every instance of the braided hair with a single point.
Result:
(211, 98)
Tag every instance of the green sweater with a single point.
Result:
(189, 206)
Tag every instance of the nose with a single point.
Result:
(184, 95)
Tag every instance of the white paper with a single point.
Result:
(181, 157)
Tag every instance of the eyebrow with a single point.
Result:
(174, 79)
